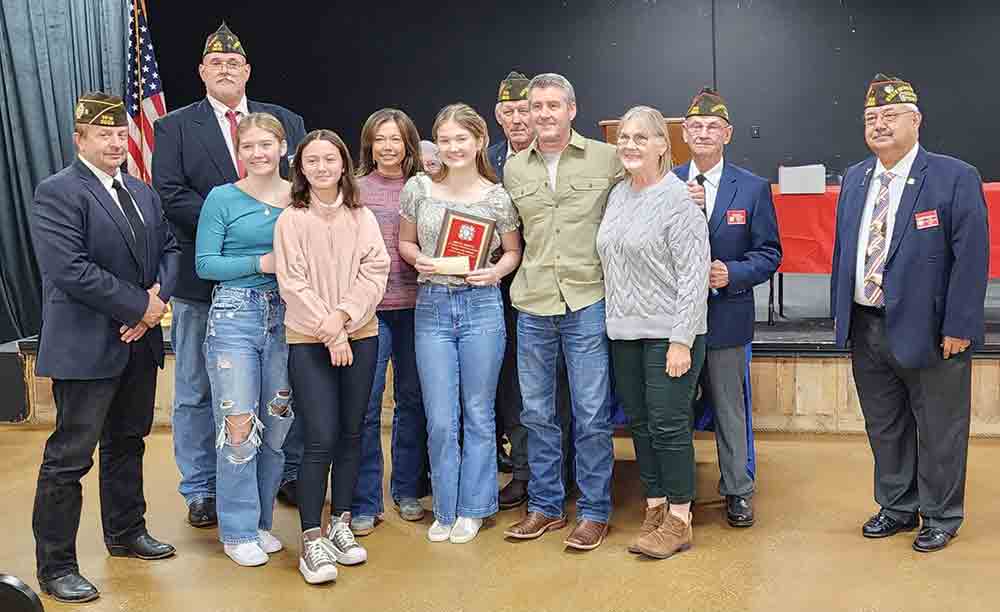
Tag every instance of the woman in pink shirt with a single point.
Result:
(390, 155)
(332, 267)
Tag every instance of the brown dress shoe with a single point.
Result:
(670, 538)
(587, 535)
(533, 525)
(654, 518)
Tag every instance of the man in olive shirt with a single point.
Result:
(560, 185)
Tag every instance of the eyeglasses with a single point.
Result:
(231, 65)
(640, 140)
(712, 128)
(888, 117)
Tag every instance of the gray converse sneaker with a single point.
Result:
(341, 541)
(410, 509)
(316, 563)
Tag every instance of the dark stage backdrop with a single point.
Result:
(796, 68)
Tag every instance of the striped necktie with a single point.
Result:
(877, 246)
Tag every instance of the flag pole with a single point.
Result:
(138, 76)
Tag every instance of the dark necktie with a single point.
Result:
(700, 179)
(134, 220)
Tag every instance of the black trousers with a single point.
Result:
(118, 413)
(508, 401)
(331, 403)
(918, 426)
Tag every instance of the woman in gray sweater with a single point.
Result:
(653, 244)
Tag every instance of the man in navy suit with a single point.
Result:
(907, 294)
(194, 153)
(746, 251)
(109, 263)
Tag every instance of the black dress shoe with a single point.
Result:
(514, 494)
(931, 539)
(882, 526)
(504, 463)
(739, 511)
(202, 513)
(71, 588)
(143, 546)
(287, 493)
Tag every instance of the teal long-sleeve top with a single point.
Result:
(234, 230)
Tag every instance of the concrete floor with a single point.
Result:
(805, 553)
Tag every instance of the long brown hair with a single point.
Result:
(412, 162)
(301, 192)
(466, 117)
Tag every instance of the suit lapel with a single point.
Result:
(148, 216)
(104, 198)
(211, 137)
(855, 204)
(723, 198)
(908, 201)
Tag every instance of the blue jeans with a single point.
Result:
(409, 424)
(581, 335)
(193, 422)
(460, 341)
(247, 359)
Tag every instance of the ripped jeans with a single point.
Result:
(247, 360)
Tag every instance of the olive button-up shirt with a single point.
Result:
(560, 267)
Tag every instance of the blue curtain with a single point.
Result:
(50, 52)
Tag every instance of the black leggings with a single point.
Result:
(331, 403)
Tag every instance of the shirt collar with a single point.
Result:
(713, 176)
(221, 109)
(510, 151)
(902, 167)
(575, 140)
(106, 179)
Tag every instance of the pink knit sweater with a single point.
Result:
(329, 258)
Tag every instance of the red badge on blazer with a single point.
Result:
(926, 219)
(736, 217)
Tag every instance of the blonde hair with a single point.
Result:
(651, 122)
(467, 118)
(264, 121)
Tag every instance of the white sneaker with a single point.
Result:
(316, 563)
(342, 544)
(465, 530)
(247, 554)
(268, 542)
(438, 532)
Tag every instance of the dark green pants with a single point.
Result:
(660, 412)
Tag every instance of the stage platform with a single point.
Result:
(801, 383)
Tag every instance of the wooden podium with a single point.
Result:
(679, 151)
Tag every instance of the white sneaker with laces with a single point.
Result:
(465, 530)
(438, 532)
(247, 554)
(342, 544)
(268, 542)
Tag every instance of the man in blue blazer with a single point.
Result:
(910, 268)
(194, 153)
(109, 263)
(746, 251)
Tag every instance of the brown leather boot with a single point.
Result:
(654, 518)
(533, 525)
(671, 537)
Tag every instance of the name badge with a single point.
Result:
(736, 217)
(926, 219)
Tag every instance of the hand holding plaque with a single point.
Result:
(463, 243)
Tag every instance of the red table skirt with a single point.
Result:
(807, 224)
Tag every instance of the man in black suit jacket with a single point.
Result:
(194, 153)
(109, 263)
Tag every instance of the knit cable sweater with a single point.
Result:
(655, 252)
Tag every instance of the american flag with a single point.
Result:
(143, 93)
